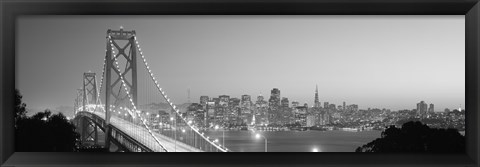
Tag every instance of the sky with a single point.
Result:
(390, 62)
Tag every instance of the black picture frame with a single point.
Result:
(11, 9)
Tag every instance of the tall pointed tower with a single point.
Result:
(317, 102)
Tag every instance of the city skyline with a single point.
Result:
(266, 98)
(388, 62)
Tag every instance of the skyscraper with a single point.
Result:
(301, 115)
(203, 100)
(216, 100)
(422, 108)
(260, 97)
(261, 115)
(224, 99)
(274, 107)
(274, 97)
(317, 102)
(234, 102)
(246, 116)
(285, 102)
(246, 100)
(431, 109)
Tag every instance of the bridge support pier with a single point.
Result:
(89, 131)
(107, 137)
(84, 125)
(95, 138)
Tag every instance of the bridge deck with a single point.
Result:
(138, 132)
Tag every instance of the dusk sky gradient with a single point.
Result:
(388, 62)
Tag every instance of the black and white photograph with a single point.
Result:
(190, 83)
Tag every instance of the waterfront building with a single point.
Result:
(233, 106)
(326, 118)
(261, 111)
(210, 113)
(196, 113)
(220, 115)
(301, 116)
(310, 120)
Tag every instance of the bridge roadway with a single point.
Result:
(136, 132)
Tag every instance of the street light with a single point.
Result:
(175, 132)
(258, 137)
(160, 128)
(223, 134)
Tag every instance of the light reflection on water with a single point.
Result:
(296, 141)
(291, 141)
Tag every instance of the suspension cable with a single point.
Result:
(134, 107)
(164, 95)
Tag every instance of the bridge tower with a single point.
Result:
(89, 89)
(126, 52)
(78, 101)
(121, 47)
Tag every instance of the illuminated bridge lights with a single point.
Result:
(137, 112)
(129, 96)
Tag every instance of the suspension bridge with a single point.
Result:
(158, 125)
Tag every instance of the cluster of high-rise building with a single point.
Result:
(277, 111)
(281, 112)
(423, 109)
